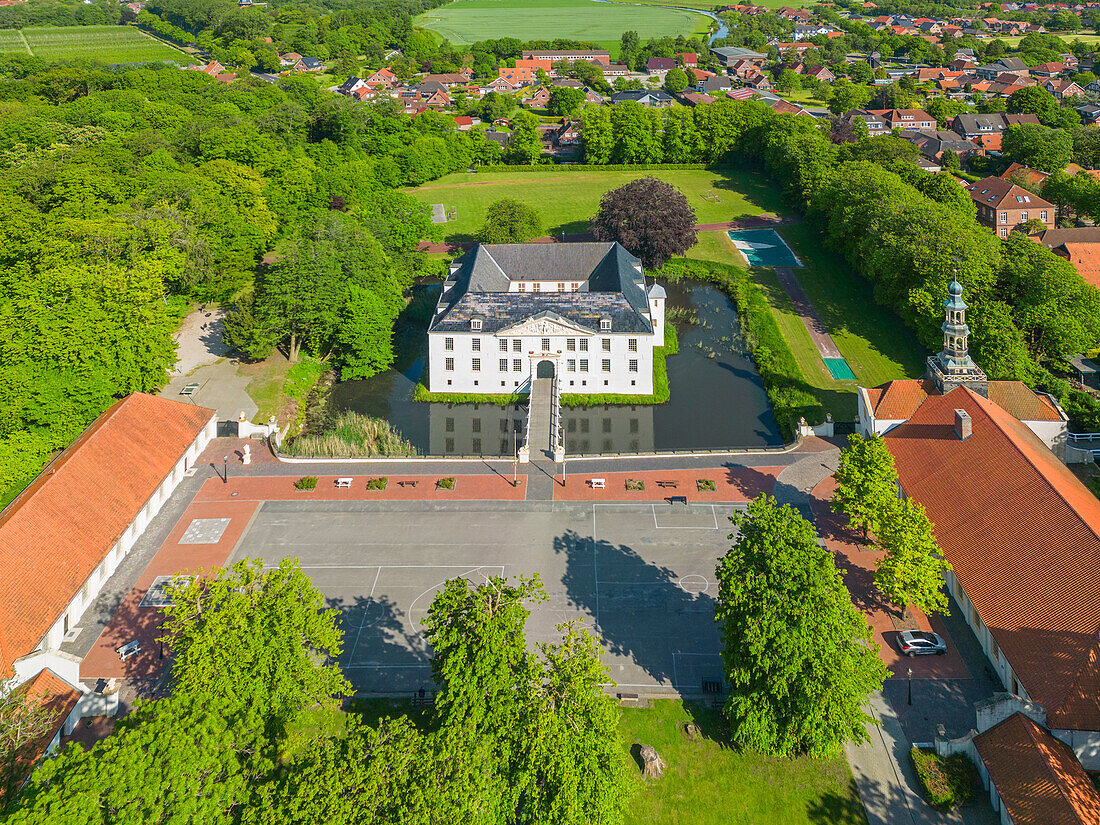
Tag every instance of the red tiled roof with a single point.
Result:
(993, 191)
(1085, 258)
(58, 530)
(1023, 536)
(1039, 779)
(57, 696)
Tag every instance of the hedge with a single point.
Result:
(947, 782)
(791, 398)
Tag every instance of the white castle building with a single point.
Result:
(578, 311)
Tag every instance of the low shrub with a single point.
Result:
(947, 782)
(376, 483)
(635, 484)
(705, 485)
(445, 483)
(306, 483)
(350, 435)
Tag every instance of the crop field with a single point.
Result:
(106, 44)
(468, 21)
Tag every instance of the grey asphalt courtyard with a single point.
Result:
(641, 575)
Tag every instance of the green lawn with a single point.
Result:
(106, 44)
(468, 21)
(709, 782)
(568, 200)
(872, 339)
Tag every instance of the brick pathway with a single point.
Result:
(476, 487)
(857, 559)
(814, 325)
(739, 484)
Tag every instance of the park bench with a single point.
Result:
(597, 483)
(344, 483)
(129, 649)
(672, 484)
(407, 483)
(189, 389)
(677, 500)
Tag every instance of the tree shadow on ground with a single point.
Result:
(832, 808)
(642, 613)
(381, 652)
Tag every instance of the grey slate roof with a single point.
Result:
(643, 96)
(479, 287)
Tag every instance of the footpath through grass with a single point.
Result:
(709, 782)
(568, 200)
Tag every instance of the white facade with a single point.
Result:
(578, 312)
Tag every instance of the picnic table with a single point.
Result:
(129, 649)
(344, 483)
(190, 389)
(672, 484)
(407, 483)
(597, 483)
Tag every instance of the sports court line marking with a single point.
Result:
(595, 574)
(714, 512)
(363, 623)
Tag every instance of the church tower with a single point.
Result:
(953, 367)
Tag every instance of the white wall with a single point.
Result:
(491, 379)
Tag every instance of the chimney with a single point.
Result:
(963, 426)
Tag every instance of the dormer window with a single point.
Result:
(475, 324)
(605, 325)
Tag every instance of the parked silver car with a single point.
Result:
(921, 643)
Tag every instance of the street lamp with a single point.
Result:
(225, 469)
(910, 686)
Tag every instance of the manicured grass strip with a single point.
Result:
(709, 782)
(568, 201)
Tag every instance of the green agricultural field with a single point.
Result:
(104, 44)
(710, 782)
(568, 200)
(468, 21)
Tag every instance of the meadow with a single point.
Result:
(567, 200)
(468, 21)
(104, 44)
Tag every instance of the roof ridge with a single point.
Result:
(1042, 474)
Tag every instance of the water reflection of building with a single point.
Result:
(485, 429)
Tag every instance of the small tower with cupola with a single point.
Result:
(953, 366)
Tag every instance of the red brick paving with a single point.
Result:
(489, 487)
(857, 561)
(131, 621)
(731, 485)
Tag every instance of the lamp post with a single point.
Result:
(225, 469)
(910, 686)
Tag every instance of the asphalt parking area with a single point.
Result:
(642, 575)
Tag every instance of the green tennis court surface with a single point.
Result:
(839, 369)
(764, 247)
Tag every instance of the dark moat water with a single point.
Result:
(718, 401)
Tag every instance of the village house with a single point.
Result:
(568, 134)
(1078, 245)
(729, 55)
(1003, 206)
(548, 57)
(382, 77)
(581, 313)
(538, 99)
(660, 66)
(1062, 89)
(655, 98)
(971, 126)
(1006, 65)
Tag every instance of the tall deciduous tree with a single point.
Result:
(866, 482)
(911, 570)
(649, 217)
(564, 100)
(24, 722)
(799, 656)
(510, 221)
(524, 145)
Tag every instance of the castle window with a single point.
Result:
(607, 365)
(475, 344)
(522, 286)
(605, 324)
(632, 344)
(449, 364)
(517, 365)
(607, 345)
(503, 364)
(517, 345)
(449, 344)
(475, 324)
(475, 365)
(536, 287)
(571, 344)
(545, 344)
(584, 365)
(561, 287)
(584, 345)
(503, 344)
(633, 364)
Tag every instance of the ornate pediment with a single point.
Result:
(545, 325)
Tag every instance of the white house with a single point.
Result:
(579, 311)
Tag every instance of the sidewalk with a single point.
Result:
(888, 785)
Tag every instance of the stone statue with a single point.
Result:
(247, 457)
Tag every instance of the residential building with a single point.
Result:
(689, 59)
(1080, 246)
(581, 312)
(713, 85)
(1006, 65)
(449, 80)
(1048, 69)
(906, 119)
(696, 98)
(568, 134)
(655, 98)
(1002, 205)
(660, 66)
(1089, 112)
(1062, 89)
(971, 126)
(351, 86)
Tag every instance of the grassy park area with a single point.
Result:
(710, 781)
(567, 200)
(468, 21)
(106, 44)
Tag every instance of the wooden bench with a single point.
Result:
(344, 483)
(597, 483)
(129, 649)
(672, 484)
(677, 499)
(189, 389)
(407, 483)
